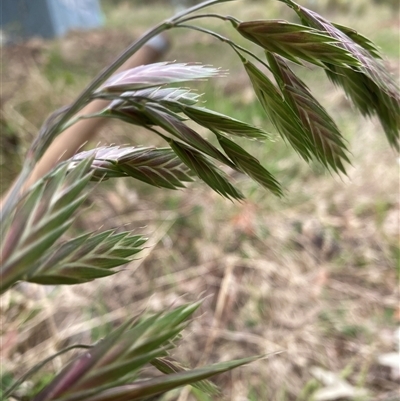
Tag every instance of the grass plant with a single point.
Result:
(154, 99)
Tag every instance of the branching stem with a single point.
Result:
(85, 96)
(226, 40)
(200, 16)
(44, 140)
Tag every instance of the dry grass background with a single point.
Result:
(314, 275)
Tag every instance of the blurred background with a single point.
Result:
(314, 274)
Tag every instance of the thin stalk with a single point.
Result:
(224, 39)
(84, 97)
(43, 141)
(211, 15)
(197, 7)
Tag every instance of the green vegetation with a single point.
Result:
(271, 265)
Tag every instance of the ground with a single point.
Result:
(311, 279)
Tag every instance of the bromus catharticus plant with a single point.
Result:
(34, 220)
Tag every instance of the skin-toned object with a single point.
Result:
(74, 137)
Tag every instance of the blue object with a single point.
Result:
(48, 18)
